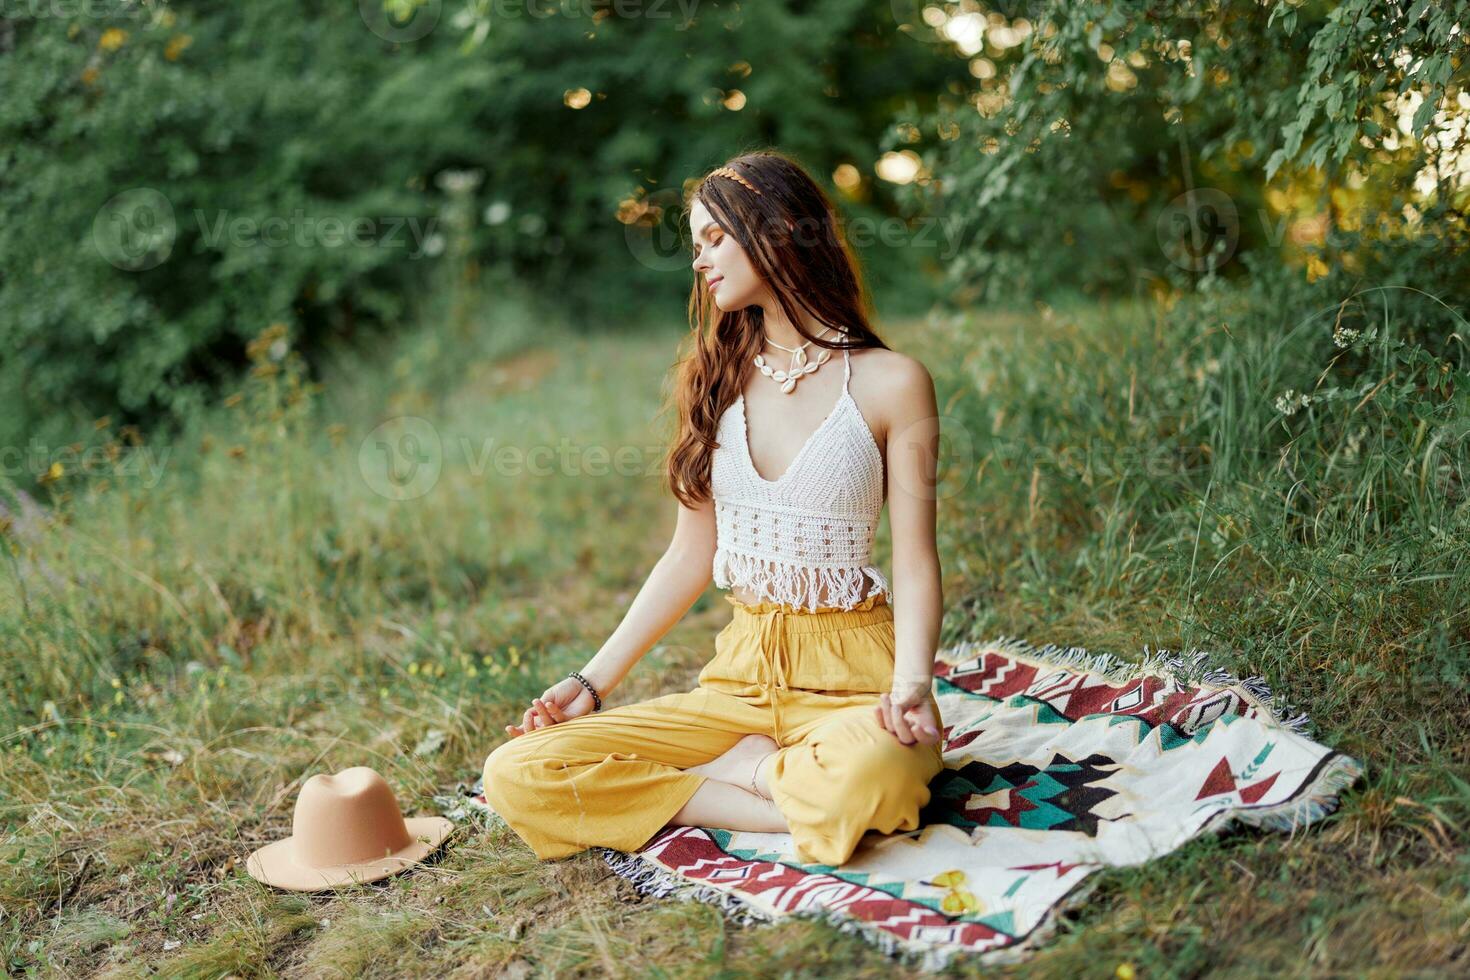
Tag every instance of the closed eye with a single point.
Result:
(716, 237)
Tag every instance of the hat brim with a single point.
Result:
(276, 864)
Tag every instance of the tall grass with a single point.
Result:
(183, 646)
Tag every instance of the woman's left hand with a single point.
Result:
(909, 713)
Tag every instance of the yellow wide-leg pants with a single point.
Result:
(809, 679)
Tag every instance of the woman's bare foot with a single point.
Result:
(741, 763)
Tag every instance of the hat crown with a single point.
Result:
(347, 818)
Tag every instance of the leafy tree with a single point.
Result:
(1146, 143)
(175, 180)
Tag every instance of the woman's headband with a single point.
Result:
(727, 172)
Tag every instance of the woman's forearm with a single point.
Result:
(918, 607)
(677, 579)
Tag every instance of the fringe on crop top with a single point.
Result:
(810, 529)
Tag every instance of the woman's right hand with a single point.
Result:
(563, 701)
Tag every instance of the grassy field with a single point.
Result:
(184, 644)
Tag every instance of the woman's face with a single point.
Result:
(721, 262)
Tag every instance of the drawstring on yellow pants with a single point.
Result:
(773, 664)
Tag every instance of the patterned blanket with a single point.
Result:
(1058, 763)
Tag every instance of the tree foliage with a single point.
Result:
(1095, 126)
(173, 180)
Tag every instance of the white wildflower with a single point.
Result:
(1289, 401)
(1347, 336)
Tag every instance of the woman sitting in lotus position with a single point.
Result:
(815, 715)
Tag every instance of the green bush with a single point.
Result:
(174, 181)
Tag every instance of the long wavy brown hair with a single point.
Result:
(792, 235)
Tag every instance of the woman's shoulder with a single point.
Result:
(886, 367)
(888, 384)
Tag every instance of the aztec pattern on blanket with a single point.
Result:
(1058, 763)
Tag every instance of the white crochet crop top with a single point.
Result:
(811, 529)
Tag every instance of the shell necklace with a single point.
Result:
(799, 368)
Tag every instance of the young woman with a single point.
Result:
(796, 422)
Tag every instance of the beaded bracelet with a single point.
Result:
(596, 698)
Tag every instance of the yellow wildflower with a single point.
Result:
(112, 39)
(959, 901)
(176, 46)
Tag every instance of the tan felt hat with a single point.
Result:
(347, 829)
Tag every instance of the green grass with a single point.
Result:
(179, 656)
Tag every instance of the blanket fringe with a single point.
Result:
(1193, 667)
